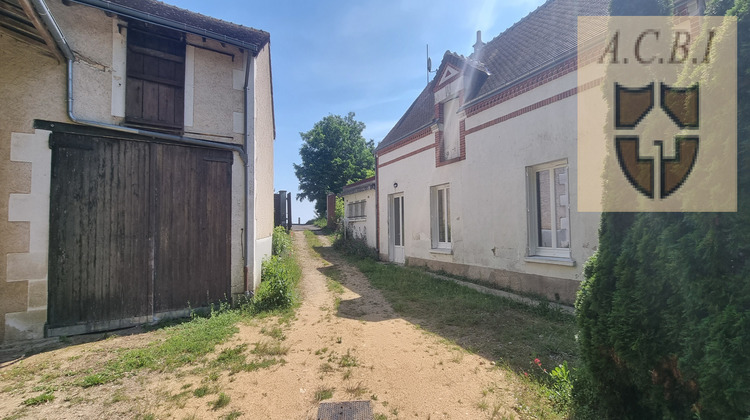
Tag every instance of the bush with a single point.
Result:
(320, 222)
(356, 247)
(281, 241)
(279, 277)
(664, 310)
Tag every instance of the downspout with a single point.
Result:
(49, 21)
(377, 206)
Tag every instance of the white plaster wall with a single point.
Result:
(32, 208)
(262, 252)
(409, 148)
(497, 158)
(264, 141)
(216, 99)
(89, 33)
(535, 95)
(363, 226)
(489, 188)
(264, 136)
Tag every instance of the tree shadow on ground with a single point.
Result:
(495, 328)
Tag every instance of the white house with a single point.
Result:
(478, 177)
(136, 147)
(360, 211)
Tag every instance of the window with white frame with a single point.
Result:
(440, 216)
(356, 209)
(549, 214)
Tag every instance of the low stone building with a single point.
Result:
(136, 163)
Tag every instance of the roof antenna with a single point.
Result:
(429, 64)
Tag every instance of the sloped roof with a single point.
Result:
(181, 19)
(419, 115)
(545, 36)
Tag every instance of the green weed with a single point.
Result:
(39, 399)
(323, 394)
(220, 402)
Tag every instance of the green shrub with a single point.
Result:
(281, 242)
(279, 276)
(356, 247)
(664, 311)
(320, 222)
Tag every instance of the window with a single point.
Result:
(451, 130)
(440, 216)
(549, 215)
(155, 87)
(356, 209)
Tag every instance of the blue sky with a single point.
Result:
(368, 57)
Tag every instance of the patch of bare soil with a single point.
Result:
(341, 347)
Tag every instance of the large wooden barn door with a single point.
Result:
(136, 229)
(193, 214)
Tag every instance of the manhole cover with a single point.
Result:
(345, 410)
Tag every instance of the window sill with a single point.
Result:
(445, 251)
(551, 260)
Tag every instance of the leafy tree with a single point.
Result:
(334, 154)
(664, 311)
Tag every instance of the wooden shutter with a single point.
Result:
(155, 89)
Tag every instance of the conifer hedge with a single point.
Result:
(664, 312)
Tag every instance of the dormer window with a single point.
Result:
(450, 140)
(155, 78)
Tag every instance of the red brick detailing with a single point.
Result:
(545, 76)
(439, 112)
(410, 154)
(414, 137)
(449, 161)
(439, 150)
(560, 96)
(462, 139)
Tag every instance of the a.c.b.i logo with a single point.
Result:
(656, 114)
(632, 105)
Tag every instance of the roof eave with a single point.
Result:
(405, 136)
(167, 23)
(518, 80)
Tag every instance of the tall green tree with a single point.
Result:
(334, 154)
(664, 311)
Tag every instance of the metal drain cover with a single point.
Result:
(345, 410)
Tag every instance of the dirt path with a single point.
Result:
(342, 345)
(404, 371)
